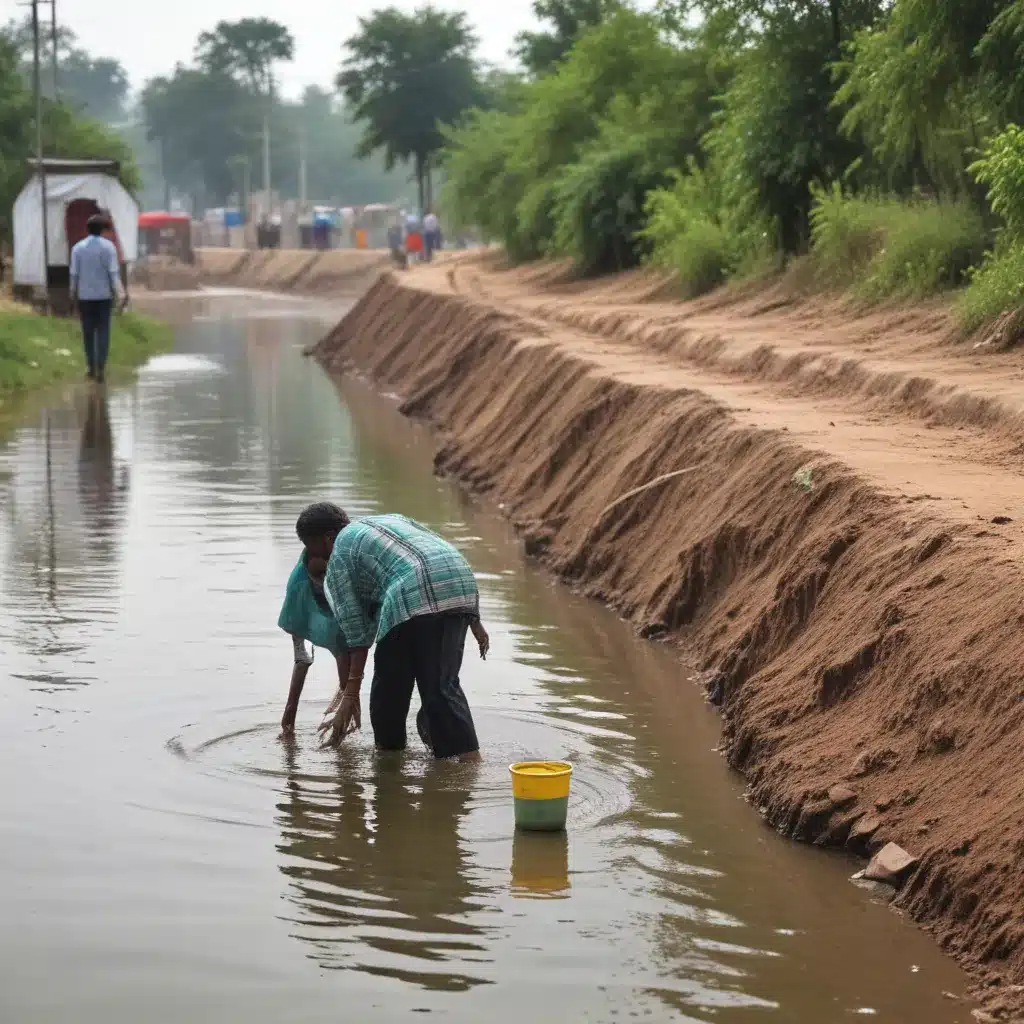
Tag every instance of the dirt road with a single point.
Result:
(841, 562)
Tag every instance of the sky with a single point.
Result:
(150, 36)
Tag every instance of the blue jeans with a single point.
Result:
(95, 316)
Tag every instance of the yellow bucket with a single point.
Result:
(540, 791)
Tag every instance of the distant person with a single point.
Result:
(431, 235)
(95, 282)
(392, 582)
(396, 247)
(413, 237)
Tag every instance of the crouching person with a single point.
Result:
(392, 582)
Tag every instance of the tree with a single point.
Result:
(330, 139)
(844, 17)
(68, 132)
(564, 167)
(98, 86)
(405, 76)
(247, 50)
(922, 88)
(540, 52)
(205, 121)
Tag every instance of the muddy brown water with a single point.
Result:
(165, 857)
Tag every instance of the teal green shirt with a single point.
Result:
(303, 616)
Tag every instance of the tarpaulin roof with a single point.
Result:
(160, 218)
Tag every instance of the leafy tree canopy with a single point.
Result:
(247, 50)
(540, 52)
(98, 86)
(406, 75)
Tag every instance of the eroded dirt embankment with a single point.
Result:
(864, 645)
(336, 272)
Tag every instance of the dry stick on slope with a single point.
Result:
(639, 490)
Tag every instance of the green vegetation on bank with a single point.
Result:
(875, 141)
(38, 350)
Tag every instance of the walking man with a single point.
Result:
(393, 582)
(95, 280)
(431, 235)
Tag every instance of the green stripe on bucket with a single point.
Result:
(541, 815)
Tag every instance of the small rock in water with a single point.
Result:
(890, 865)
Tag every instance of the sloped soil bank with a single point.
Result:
(867, 656)
(307, 272)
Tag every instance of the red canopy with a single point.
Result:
(160, 219)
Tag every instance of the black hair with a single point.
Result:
(96, 224)
(320, 518)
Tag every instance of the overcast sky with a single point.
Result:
(149, 36)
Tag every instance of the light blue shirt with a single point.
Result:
(94, 270)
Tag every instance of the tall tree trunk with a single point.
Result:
(421, 181)
(837, 25)
(430, 190)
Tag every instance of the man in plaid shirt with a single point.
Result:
(393, 582)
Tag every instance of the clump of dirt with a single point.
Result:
(865, 654)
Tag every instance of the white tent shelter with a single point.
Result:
(66, 181)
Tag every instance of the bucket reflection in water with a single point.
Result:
(540, 866)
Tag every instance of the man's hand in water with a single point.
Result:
(481, 637)
(347, 719)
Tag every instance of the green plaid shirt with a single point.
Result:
(385, 570)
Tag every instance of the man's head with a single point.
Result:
(318, 526)
(96, 224)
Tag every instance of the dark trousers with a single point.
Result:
(431, 243)
(426, 650)
(95, 316)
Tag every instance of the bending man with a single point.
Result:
(393, 582)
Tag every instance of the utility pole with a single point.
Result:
(53, 43)
(303, 190)
(266, 161)
(40, 168)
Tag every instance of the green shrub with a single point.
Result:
(534, 231)
(883, 247)
(699, 253)
(692, 231)
(996, 287)
(599, 207)
(1001, 167)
